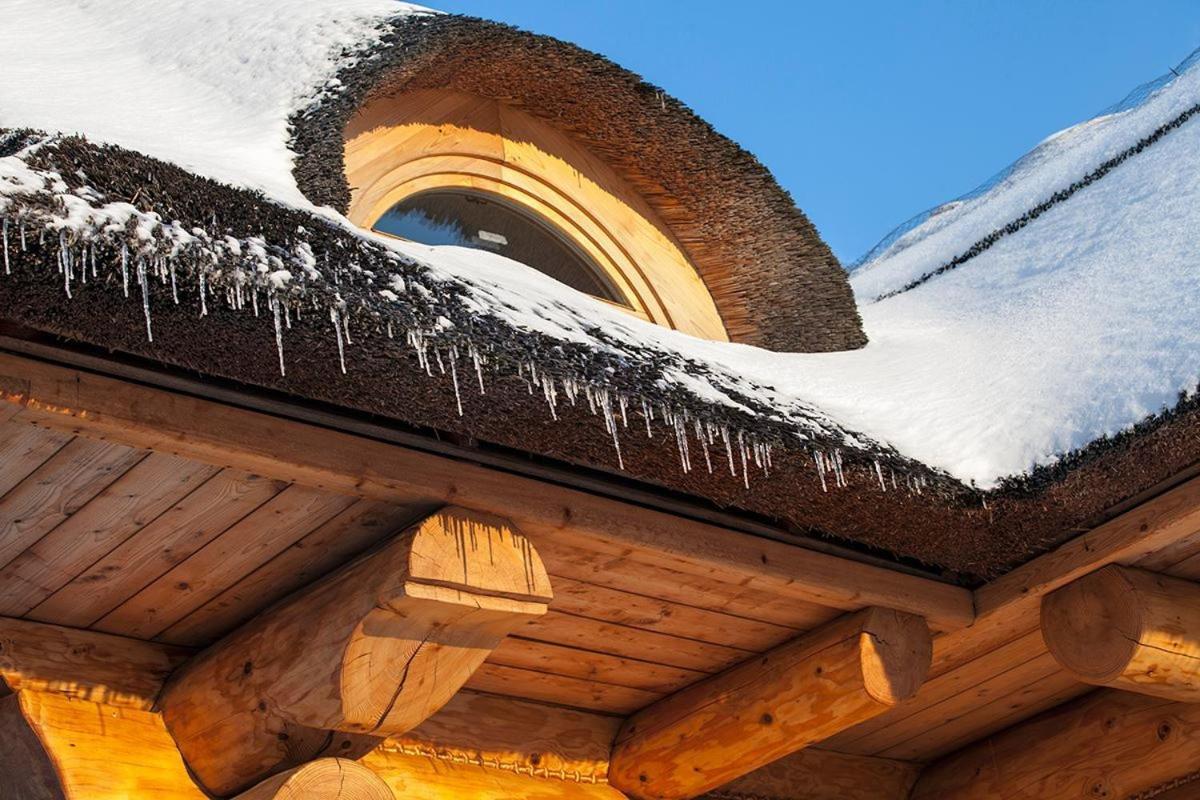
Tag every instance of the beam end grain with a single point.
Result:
(771, 705)
(370, 651)
(323, 779)
(1129, 629)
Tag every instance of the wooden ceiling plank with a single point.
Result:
(181, 530)
(1128, 629)
(558, 627)
(655, 614)
(1107, 744)
(349, 534)
(83, 664)
(771, 705)
(306, 454)
(24, 448)
(371, 650)
(62, 485)
(123, 508)
(562, 690)
(554, 659)
(244, 546)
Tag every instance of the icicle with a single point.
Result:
(437, 354)
(64, 262)
(203, 295)
(646, 416)
(83, 270)
(145, 282)
(337, 327)
(125, 268)
(175, 289)
(704, 444)
(274, 303)
(728, 449)
(478, 367)
(820, 470)
(454, 380)
(745, 466)
(623, 401)
(253, 294)
(879, 474)
(7, 269)
(611, 422)
(22, 227)
(92, 256)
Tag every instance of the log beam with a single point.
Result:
(370, 651)
(90, 666)
(1110, 744)
(763, 709)
(58, 747)
(323, 779)
(1129, 629)
(456, 776)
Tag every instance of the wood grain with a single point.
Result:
(323, 779)
(372, 650)
(772, 705)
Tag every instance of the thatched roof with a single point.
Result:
(115, 249)
(776, 284)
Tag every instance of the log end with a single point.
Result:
(1092, 626)
(897, 649)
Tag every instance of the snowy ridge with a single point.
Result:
(1076, 326)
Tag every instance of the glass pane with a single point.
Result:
(472, 220)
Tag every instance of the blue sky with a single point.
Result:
(869, 112)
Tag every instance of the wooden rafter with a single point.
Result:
(372, 650)
(774, 704)
(97, 406)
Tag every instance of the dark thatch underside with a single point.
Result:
(776, 284)
(945, 525)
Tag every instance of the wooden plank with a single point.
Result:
(123, 508)
(57, 489)
(24, 448)
(1129, 629)
(773, 704)
(554, 659)
(562, 690)
(82, 664)
(451, 778)
(244, 546)
(174, 535)
(557, 627)
(350, 533)
(520, 736)
(1002, 701)
(344, 463)
(1108, 744)
(98, 752)
(815, 774)
(372, 650)
(640, 610)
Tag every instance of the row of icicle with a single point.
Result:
(737, 450)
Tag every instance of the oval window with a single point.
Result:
(472, 220)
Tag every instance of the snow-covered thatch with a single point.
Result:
(1008, 333)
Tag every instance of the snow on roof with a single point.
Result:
(1073, 326)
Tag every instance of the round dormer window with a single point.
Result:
(482, 222)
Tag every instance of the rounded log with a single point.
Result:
(774, 704)
(1130, 629)
(323, 779)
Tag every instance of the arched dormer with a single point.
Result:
(693, 230)
(439, 145)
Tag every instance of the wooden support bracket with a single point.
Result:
(1129, 629)
(726, 726)
(370, 651)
